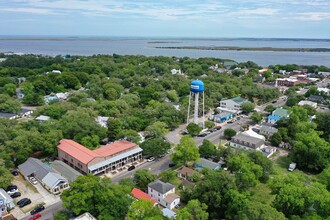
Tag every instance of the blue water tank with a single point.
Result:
(197, 86)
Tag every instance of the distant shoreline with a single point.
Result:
(152, 39)
(274, 49)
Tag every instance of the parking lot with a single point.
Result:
(36, 193)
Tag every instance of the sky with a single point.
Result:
(167, 18)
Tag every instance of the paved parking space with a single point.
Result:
(36, 193)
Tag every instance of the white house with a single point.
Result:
(325, 90)
(309, 103)
(233, 103)
(164, 193)
(102, 121)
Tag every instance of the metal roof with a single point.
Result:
(207, 164)
(65, 170)
(115, 158)
(53, 179)
(34, 166)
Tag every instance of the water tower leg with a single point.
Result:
(196, 109)
(188, 108)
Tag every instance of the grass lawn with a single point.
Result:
(261, 193)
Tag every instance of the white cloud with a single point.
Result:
(41, 11)
(313, 16)
(258, 11)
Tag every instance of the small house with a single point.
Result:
(186, 173)
(277, 114)
(6, 202)
(204, 163)
(309, 103)
(42, 118)
(267, 131)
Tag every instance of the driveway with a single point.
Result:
(36, 193)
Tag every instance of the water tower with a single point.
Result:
(196, 88)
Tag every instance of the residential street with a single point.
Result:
(49, 211)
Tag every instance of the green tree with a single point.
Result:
(325, 177)
(255, 210)
(62, 215)
(194, 210)
(311, 152)
(100, 197)
(6, 177)
(269, 108)
(157, 129)
(292, 101)
(143, 210)
(229, 133)
(207, 149)
(193, 129)
(91, 142)
(142, 178)
(8, 104)
(248, 107)
(168, 175)
(256, 117)
(185, 151)
(155, 147)
(209, 124)
(276, 139)
(114, 128)
(10, 89)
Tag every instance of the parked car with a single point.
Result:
(9, 188)
(218, 127)
(151, 159)
(274, 101)
(229, 122)
(171, 164)
(24, 203)
(14, 172)
(12, 191)
(37, 209)
(185, 132)
(15, 195)
(131, 168)
(35, 217)
(22, 200)
(202, 135)
(33, 180)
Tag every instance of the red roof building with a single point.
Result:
(102, 160)
(138, 194)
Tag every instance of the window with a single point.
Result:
(151, 190)
(158, 194)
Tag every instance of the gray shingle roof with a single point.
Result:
(34, 166)
(65, 170)
(268, 129)
(160, 186)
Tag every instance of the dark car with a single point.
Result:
(37, 209)
(229, 122)
(131, 168)
(202, 135)
(11, 188)
(171, 164)
(15, 195)
(274, 101)
(25, 203)
(22, 200)
(14, 172)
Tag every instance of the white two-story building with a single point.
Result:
(164, 194)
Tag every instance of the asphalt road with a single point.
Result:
(49, 212)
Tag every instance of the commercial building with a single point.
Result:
(233, 103)
(105, 159)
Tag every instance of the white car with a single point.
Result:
(12, 191)
(33, 180)
(151, 159)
